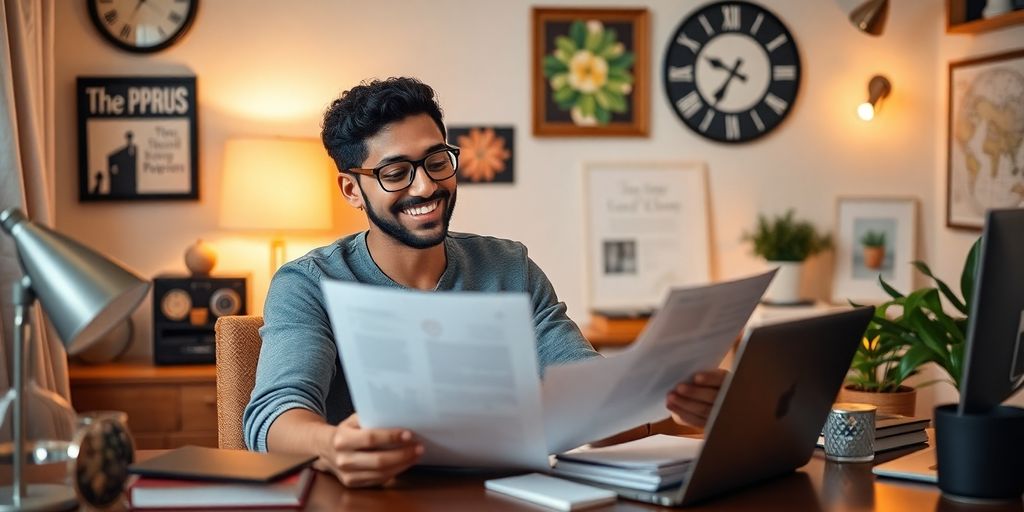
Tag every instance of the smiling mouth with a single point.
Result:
(423, 209)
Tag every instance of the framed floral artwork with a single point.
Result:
(487, 153)
(876, 237)
(590, 72)
(985, 161)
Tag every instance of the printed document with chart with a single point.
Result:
(460, 370)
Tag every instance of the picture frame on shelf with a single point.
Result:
(590, 72)
(874, 236)
(137, 138)
(985, 153)
(646, 230)
(487, 153)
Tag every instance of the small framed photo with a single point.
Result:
(985, 159)
(590, 72)
(487, 153)
(137, 138)
(875, 236)
(646, 231)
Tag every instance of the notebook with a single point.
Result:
(647, 464)
(214, 464)
(156, 493)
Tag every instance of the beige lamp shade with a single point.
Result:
(276, 184)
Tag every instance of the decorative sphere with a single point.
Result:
(200, 258)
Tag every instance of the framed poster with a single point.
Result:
(487, 153)
(137, 138)
(875, 236)
(985, 138)
(646, 231)
(590, 72)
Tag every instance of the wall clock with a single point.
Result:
(142, 26)
(732, 71)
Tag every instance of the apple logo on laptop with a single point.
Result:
(782, 408)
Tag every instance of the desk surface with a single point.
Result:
(820, 485)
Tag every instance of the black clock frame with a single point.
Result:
(97, 21)
(749, 135)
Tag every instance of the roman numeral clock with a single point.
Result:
(732, 71)
(142, 26)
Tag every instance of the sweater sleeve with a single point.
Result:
(559, 340)
(297, 359)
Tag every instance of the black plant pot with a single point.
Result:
(980, 456)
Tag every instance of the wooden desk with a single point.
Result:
(820, 485)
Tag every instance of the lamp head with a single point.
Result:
(83, 293)
(870, 17)
(878, 88)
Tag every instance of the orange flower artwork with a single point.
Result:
(484, 155)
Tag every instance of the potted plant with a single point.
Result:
(786, 242)
(874, 248)
(907, 332)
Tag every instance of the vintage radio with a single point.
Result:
(185, 310)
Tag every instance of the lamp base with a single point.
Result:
(39, 497)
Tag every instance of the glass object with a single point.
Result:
(100, 455)
(850, 433)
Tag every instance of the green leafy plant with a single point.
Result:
(783, 238)
(873, 239)
(590, 73)
(912, 330)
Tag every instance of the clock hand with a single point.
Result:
(734, 72)
(718, 64)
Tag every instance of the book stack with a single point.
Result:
(647, 464)
(894, 431)
(192, 477)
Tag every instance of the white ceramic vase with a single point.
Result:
(996, 7)
(785, 288)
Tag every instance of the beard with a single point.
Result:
(393, 228)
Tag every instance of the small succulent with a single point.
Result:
(873, 239)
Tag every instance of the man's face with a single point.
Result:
(416, 216)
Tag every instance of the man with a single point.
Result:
(387, 139)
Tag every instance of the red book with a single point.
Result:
(158, 493)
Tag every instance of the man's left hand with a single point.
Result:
(690, 401)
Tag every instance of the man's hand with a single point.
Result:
(690, 402)
(361, 457)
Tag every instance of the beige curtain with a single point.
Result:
(26, 165)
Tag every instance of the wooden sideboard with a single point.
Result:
(167, 406)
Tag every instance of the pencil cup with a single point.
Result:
(850, 433)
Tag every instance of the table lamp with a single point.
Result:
(276, 185)
(84, 294)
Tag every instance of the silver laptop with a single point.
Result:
(770, 411)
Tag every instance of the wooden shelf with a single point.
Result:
(956, 22)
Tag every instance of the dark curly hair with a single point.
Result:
(362, 111)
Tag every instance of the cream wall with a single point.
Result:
(269, 68)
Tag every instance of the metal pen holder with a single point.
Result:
(850, 433)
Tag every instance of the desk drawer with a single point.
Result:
(198, 407)
(150, 408)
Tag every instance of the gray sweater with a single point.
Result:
(299, 366)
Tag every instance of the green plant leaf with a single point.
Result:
(566, 45)
(593, 41)
(616, 101)
(553, 66)
(587, 105)
(922, 267)
(620, 75)
(565, 97)
(912, 360)
(622, 62)
(578, 33)
(970, 273)
(603, 115)
(888, 288)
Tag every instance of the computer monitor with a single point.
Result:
(994, 355)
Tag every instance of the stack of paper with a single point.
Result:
(647, 464)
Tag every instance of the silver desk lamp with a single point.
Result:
(84, 294)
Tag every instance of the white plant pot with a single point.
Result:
(785, 288)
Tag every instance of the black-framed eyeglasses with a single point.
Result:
(439, 165)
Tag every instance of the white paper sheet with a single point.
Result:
(693, 331)
(458, 369)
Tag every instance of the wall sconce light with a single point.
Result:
(870, 16)
(878, 88)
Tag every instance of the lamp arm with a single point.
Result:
(24, 297)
